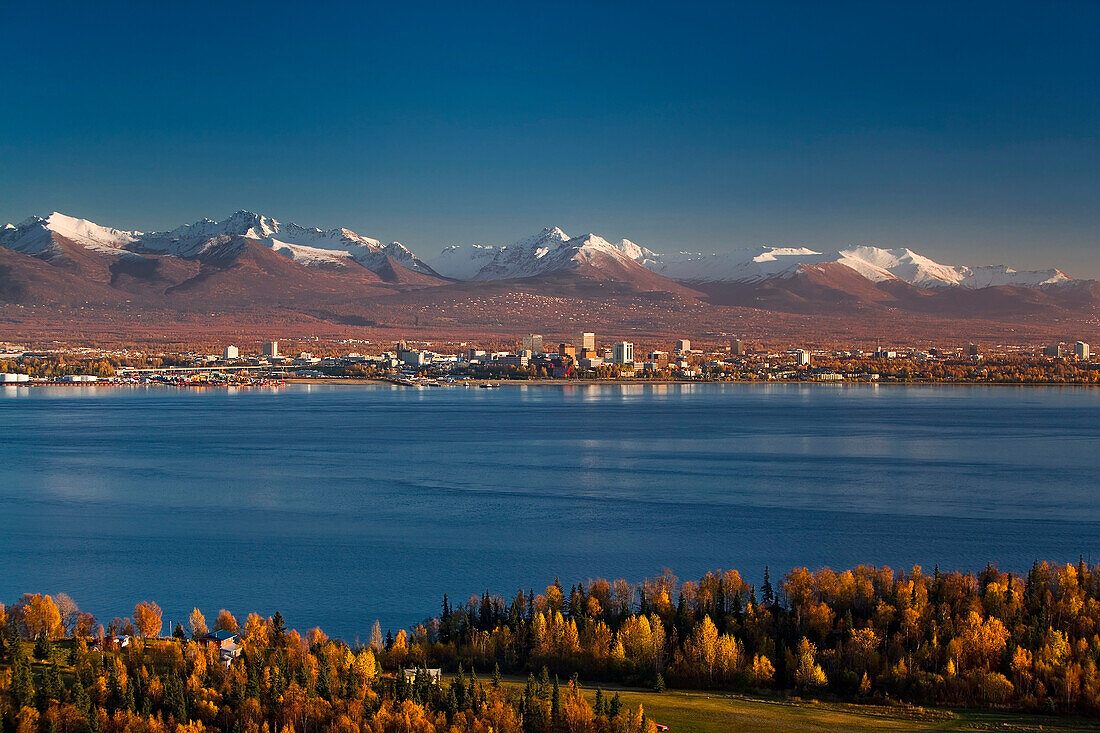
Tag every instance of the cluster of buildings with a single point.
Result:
(1081, 351)
(534, 355)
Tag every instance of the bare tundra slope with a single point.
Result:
(61, 277)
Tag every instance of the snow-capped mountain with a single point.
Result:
(463, 261)
(311, 247)
(305, 245)
(249, 262)
(550, 250)
(34, 236)
(876, 264)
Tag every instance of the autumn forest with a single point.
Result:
(989, 639)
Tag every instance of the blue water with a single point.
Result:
(342, 505)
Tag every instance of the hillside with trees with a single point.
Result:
(866, 635)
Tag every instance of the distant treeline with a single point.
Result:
(986, 639)
(866, 634)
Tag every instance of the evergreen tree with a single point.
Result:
(175, 698)
(51, 683)
(767, 593)
(324, 679)
(544, 683)
(42, 647)
(615, 707)
(445, 621)
(81, 701)
(22, 683)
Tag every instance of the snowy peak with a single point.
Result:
(552, 249)
(308, 246)
(84, 231)
(463, 261)
(993, 275)
(547, 251)
(35, 236)
(873, 263)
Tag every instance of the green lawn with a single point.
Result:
(718, 712)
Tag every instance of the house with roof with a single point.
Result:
(228, 644)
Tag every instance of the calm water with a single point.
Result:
(341, 505)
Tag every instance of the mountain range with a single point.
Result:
(251, 262)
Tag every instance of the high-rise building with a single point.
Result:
(1055, 351)
(683, 345)
(658, 358)
(231, 352)
(802, 357)
(533, 342)
(737, 348)
(972, 350)
(567, 350)
(1082, 351)
(271, 348)
(622, 352)
(585, 341)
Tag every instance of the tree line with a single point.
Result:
(991, 638)
(868, 634)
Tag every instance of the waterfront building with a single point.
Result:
(516, 360)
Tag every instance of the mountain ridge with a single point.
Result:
(253, 261)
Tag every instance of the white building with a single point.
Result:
(683, 346)
(1082, 351)
(802, 357)
(622, 353)
(585, 341)
(271, 348)
(231, 352)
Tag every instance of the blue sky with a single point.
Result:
(967, 131)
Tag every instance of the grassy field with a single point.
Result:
(717, 712)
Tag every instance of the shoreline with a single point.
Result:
(499, 383)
